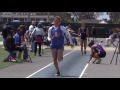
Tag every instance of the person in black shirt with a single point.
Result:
(93, 33)
(83, 34)
(5, 30)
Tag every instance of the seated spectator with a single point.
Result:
(5, 29)
(11, 48)
(17, 41)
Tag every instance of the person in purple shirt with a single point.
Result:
(56, 36)
(17, 38)
(97, 52)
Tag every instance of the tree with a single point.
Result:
(114, 16)
(77, 16)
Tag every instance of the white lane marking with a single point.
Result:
(83, 70)
(46, 66)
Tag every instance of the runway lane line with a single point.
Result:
(47, 65)
(83, 70)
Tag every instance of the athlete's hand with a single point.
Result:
(88, 62)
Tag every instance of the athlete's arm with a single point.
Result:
(92, 52)
(49, 34)
(33, 32)
(67, 34)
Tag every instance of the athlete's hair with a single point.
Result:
(91, 43)
(58, 17)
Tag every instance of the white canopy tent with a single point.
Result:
(103, 22)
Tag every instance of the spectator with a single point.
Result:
(17, 39)
(11, 48)
(111, 38)
(38, 33)
(93, 33)
(31, 28)
(22, 29)
(5, 30)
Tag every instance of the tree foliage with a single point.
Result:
(77, 16)
(114, 16)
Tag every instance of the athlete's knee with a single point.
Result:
(60, 58)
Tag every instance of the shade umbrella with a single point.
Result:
(16, 22)
(41, 21)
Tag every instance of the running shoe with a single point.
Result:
(57, 74)
(98, 61)
(84, 52)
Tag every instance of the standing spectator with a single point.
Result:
(38, 33)
(31, 28)
(93, 33)
(27, 36)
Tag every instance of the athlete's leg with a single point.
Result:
(93, 56)
(85, 43)
(54, 54)
(35, 50)
(81, 44)
(98, 59)
(40, 49)
(60, 54)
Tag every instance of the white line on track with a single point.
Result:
(83, 70)
(47, 66)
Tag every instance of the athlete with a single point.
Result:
(97, 52)
(83, 34)
(56, 36)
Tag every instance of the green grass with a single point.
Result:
(4, 54)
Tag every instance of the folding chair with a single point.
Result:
(28, 53)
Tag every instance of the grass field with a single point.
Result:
(4, 54)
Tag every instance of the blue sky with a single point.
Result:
(103, 16)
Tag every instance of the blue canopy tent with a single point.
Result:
(16, 24)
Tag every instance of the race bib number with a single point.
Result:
(56, 34)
